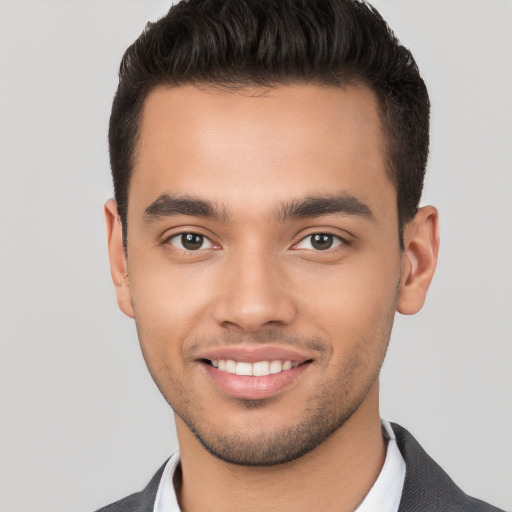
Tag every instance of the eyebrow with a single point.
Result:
(167, 205)
(316, 206)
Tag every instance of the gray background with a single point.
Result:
(81, 422)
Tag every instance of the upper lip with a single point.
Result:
(255, 353)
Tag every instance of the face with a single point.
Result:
(263, 262)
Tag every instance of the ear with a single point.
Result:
(419, 259)
(117, 257)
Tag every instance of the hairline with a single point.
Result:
(225, 85)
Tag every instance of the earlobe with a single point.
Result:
(419, 260)
(117, 258)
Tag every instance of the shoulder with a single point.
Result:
(142, 501)
(427, 487)
(128, 504)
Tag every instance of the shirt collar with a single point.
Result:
(386, 492)
(384, 495)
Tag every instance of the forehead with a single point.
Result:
(259, 145)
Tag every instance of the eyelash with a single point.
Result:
(178, 236)
(336, 239)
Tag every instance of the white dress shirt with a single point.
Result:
(386, 492)
(384, 496)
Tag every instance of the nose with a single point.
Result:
(254, 293)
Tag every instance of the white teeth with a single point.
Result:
(258, 369)
(276, 367)
(230, 366)
(261, 368)
(243, 368)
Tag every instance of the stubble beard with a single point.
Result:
(279, 446)
(326, 412)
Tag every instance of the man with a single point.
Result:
(268, 161)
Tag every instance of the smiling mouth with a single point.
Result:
(256, 369)
(254, 374)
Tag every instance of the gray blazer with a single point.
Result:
(427, 487)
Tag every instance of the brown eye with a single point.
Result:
(320, 242)
(190, 242)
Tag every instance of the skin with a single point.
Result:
(257, 280)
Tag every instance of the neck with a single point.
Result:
(335, 476)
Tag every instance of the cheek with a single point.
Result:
(168, 307)
(168, 303)
(355, 302)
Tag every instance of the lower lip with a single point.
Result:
(254, 388)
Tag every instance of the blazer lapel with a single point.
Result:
(427, 488)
